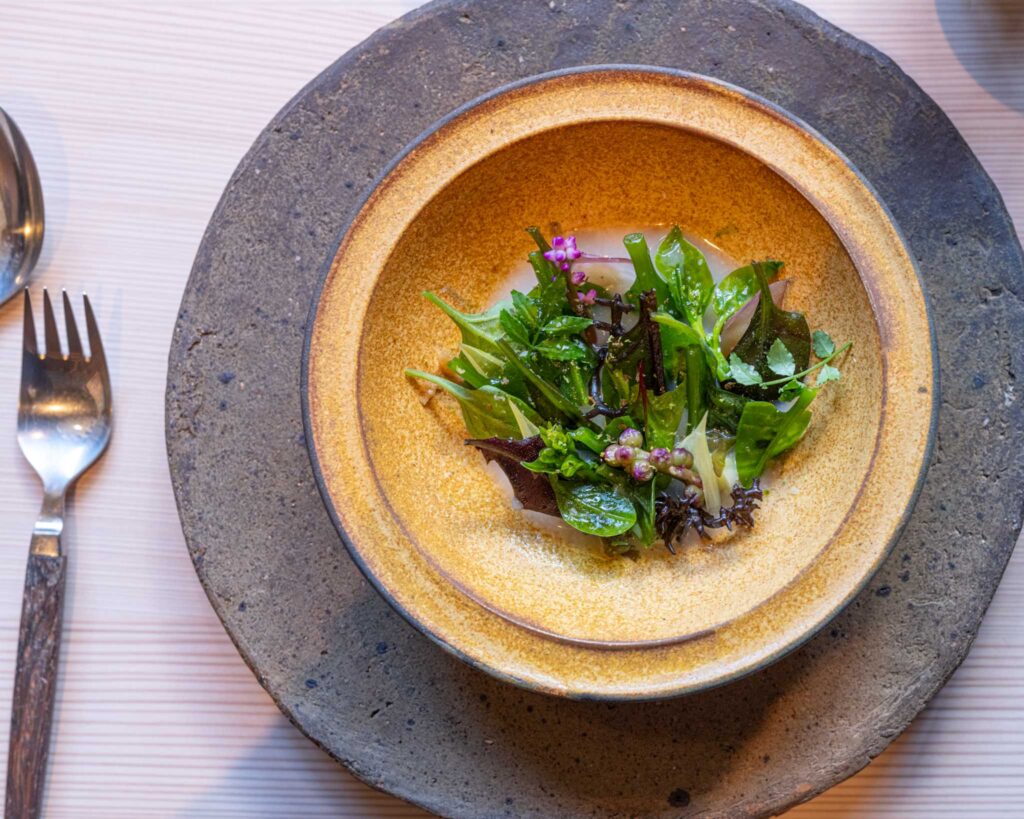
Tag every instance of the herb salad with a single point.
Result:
(643, 415)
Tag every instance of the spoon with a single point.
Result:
(21, 210)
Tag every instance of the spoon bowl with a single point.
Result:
(21, 210)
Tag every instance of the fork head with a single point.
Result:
(64, 411)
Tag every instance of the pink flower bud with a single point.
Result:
(642, 471)
(660, 457)
(631, 437)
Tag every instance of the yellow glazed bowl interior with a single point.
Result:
(613, 148)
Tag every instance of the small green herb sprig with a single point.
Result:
(623, 412)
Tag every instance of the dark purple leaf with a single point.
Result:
(532, 489)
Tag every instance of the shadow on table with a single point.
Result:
(987, 37)
(287, 775)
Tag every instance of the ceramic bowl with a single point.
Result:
(613, 147)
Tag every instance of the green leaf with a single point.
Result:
(647, 277)
(615, 426)
(791, 390)
(465, 370)
(768, 324)
(478, 368)
(688, 276)
(664, 413)
(588, 438)
(736, 289)
(527, 428)
(562, 349)
(780, 360)
(643, 501)
(549, 294)
(543, 467)
(826, 374)
(514, 328)
(571, 465)
(556, 438)
(482, 361)
(526, 309)
(487, 412)
(549, 392)
(743, 373)
(765, 432)
(566, 325)
(594, 509)
(480, 330)
(698, 376)
(824, 346)
(676, 337)
(724, 409)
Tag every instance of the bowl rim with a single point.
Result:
(328, 501)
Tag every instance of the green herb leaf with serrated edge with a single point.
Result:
(487, 412)
(594, 509)
(823, 344)
(826, 374)
(689, 279)
(743, 373)
(566, 325)
(765, 432)
(780, 359)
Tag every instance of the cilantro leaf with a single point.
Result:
(780, 359)
(827, 373)
(743, 373)
(824, 346)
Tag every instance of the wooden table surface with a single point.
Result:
(138, 113)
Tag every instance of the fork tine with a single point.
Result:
(29, 331)
(74, 342)
(50, 327)
(96, 355)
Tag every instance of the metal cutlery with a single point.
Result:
(21, 210)
(64, 424)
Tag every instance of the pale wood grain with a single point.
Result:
(138, 113)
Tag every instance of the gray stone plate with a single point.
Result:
(398, 711)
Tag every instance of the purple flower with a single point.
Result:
(589, 297)
(578, 277)
(563, 251)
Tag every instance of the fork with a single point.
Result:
(64, 423)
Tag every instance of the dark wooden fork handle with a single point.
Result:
(35, 683)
